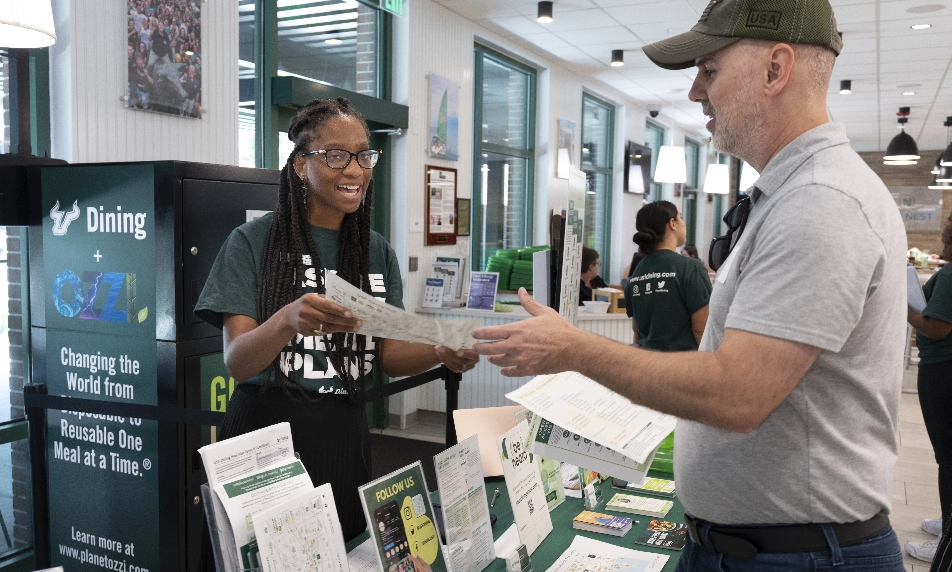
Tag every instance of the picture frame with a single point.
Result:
(463, 214)
(440, 202)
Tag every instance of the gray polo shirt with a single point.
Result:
(822, 262)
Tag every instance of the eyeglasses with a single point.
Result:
(736, 220)
(339, 158)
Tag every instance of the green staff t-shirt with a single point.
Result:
(661, 296)
(938, 291)
(232, 288)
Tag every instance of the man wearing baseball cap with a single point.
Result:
(786, 445)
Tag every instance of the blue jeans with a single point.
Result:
(878, 554)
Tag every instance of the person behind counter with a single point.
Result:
(589, 277)
(667, 313)
(297, 355)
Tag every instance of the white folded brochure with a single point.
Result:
(302, 533)
(583, 406)
(386, 321)
(252, 493)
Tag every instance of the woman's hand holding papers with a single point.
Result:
(457, 360)
(544, 343)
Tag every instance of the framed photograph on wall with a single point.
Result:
(164, 56)
(462, 217)
(440, 206)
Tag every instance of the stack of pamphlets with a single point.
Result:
(651, 486)
(261, 488)
(602, 523)
(639, 505)
(663, 534)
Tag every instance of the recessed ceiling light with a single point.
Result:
(908, 93)
(925, 8)
(333, 41)
(921, 26)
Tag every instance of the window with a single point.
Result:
(329, 41)
(718, 228)
(4, 104)
(692, 155)
(654, 139)
(246, 83)
(341, 43)
(504, 148)
(598, 135)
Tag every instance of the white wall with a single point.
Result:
(436, 40)
(88, 74)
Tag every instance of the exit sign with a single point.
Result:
(397, 7)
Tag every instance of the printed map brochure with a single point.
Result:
(401, 520)
(254, 492)
(588, 554)
(602, 523)
(663, 534)
(302, 533)
(639, 505)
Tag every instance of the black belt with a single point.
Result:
(745, 543)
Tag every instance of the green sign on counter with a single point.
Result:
(99, 263)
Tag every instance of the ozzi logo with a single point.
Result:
(767, 20)
(94, 296)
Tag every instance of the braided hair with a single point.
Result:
(289, 239)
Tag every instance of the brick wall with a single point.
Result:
(20, 460)
(366, 51)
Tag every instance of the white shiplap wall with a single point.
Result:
(88, 76)
(436, 40)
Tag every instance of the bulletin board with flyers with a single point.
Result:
(441, 216)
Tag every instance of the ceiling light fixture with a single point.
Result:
(902, 147)
(945, 159)
(908, 93)
(333, 41)
(618, 58)
(27, 24)
(671, 166)
(717, 179)
(921, 26)
(846, 87)
(545, 12)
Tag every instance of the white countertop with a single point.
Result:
(518, 313)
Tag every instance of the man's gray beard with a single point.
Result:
(745, 142)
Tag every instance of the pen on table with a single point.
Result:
(495, 495)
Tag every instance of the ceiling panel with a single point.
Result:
(881, 54)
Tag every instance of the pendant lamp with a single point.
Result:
(902, 147)
(945, 159)
(26, 24)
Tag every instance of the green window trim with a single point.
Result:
(654, 139)
(482, 53)
(591, 169)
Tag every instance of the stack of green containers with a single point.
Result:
(502, 263)
(514, 266)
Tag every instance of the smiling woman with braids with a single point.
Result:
(296, 353)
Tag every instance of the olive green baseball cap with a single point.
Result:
(724, 22)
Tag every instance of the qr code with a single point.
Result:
(529, 504)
